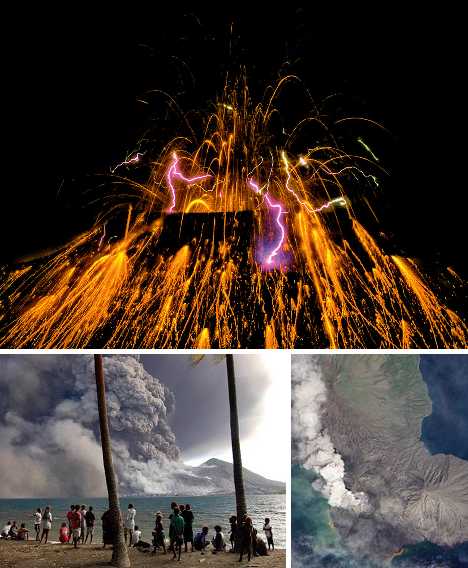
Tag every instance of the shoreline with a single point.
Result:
(28, 554)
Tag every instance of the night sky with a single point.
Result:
(74, 80)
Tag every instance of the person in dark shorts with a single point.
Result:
(158, 534)
(173, 506)
(247, 539)
(109, 528)
(187, 514)
(37, 523)
(233, 533)
(177, 539)
(90, 520)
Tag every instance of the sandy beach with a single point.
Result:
(30, 555)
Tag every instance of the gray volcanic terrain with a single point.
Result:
(370, 411)
(217, 474)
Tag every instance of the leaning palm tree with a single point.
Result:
(241, 505)
(119, 551)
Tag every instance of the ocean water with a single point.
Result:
(209, 510)
(446, 378)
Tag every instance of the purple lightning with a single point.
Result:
(174, 172)
(282, 229)
(133, 160)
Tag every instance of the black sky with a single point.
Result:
(73, 80)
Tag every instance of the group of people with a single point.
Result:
(79, 526)
(243, 536)
(80, 523)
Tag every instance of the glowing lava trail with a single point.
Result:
(227, 264)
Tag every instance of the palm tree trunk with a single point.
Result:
(119, 552)
(241, 505)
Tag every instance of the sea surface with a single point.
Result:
(444, 430)
(208, 510)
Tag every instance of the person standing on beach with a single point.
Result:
(83, 512)
(69, 517)
(90, 520)
(47, 524)
(188, 517)
(269, 534)
(37, 522)
(108, 528)
(247, 539)
(158, 534)
(76, 525)
(129, 523)
(177, 524)
(233, 534)
(173, 506)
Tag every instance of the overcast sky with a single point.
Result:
(201, 418)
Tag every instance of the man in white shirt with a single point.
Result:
(129, 526)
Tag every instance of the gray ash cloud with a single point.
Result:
(49, 431)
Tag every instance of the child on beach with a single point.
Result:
(200, 541)
(46, 524)
(129, 523)
(158, 534)
(64, 534)
(136, 535)
(23, 533)
(37, 522)
(269, 534)
(187, 514)
(218, 540)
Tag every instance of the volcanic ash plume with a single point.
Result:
(313, 447)
(49, 427)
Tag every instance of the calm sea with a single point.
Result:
(209, 511)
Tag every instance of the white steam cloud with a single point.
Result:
(313, 447)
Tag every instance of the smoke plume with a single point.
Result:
(49, 429)
(312, 445)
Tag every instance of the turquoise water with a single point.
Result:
(210, 511)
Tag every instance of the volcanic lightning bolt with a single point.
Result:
(174, 172)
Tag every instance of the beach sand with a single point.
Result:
(30, 555)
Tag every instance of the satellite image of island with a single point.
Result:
(380, 460)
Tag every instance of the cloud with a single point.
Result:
(312, 445)
(49, 428)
